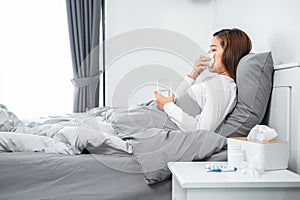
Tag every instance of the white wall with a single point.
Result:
(186, 20)
(189, 17)
(273, 25)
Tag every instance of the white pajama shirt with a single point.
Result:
(216, 97)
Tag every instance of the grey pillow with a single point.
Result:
(254, 81)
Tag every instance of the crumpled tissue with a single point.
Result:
(261, 133)
(250, 169)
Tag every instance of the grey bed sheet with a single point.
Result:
(25, 175)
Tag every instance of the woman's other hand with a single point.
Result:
(161, 100)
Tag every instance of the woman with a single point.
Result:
(215, 96)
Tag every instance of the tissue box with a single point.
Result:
(272, 155)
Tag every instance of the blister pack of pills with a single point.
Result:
(217, 167)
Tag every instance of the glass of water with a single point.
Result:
(163, 86)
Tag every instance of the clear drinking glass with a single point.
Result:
(163, 86)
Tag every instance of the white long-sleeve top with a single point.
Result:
(216, 97)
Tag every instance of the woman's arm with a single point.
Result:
(199, 67)
(183, 120)
(183, 87)
(217, 104)
(212, 115)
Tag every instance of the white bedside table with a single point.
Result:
(190, 181)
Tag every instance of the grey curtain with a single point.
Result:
(84, 30)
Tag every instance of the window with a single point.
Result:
(35, 68)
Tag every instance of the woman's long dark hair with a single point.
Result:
(236, 44)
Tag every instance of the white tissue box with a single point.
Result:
(272, 155)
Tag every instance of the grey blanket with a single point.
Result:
(141, 131)
(156, 140)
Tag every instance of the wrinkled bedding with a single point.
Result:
(141, 131)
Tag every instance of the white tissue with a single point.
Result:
(261, 133)
(250, 169)
(212, 60)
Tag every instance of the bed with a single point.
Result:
(52, 176)
(99, 170)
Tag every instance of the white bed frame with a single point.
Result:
(284, 111)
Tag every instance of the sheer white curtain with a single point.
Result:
(35, 60)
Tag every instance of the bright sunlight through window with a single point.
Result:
(35, 58)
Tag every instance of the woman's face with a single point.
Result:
(215, 46)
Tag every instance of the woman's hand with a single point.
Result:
(162, 100)
(200, 65)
